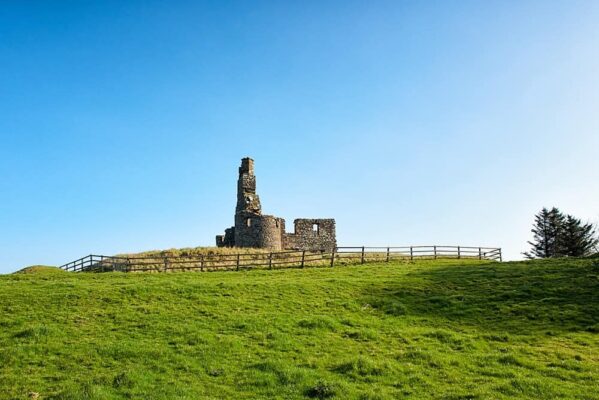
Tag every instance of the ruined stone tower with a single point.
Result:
(247, 199)
(252, 229)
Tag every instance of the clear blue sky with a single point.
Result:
(122, 123)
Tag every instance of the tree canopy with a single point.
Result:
(559, 235)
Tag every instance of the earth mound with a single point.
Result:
(40, 269)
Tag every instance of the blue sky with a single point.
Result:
(122, 123)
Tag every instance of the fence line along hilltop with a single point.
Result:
(275, 259)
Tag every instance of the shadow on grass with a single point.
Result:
(549, 296)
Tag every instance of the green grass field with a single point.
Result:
(438, 329)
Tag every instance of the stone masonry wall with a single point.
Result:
(271, 235)
(259, 231)
(311, 234)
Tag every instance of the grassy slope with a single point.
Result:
(196, 251)
(444, 329)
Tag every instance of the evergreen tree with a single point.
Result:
(547, 234)
(556, 235)
(578, 239)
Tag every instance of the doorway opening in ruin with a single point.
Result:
(315, 229)
(248, 222)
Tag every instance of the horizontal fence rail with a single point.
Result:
(276, 259)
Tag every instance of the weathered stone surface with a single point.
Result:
(311, 234)
(252, 229)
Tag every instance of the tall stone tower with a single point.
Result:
(248, 202)
(252, 229)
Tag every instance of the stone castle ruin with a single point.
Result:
(252, 229)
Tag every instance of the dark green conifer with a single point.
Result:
(578, 239)
(556, 235)
(546, 230)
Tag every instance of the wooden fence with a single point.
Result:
(277, 259)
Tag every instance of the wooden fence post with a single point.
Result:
(201, 263)
(165, 263)
(333, 257)
(237, 261)
(303, 257)
(500, 258)
(435, 251)
(411, 253)
(480, 254)
(270, 260)
(459, 255)
(362, 260)
(387, 254)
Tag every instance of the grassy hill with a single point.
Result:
(196, 251)
(450, 329)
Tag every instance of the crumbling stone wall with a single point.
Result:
(311, 234)
(252, 229)
(260, 231)
(228, 240)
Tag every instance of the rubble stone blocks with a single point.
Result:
(252, 229)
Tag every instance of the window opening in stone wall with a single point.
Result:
(315, 229)
(248, 222)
